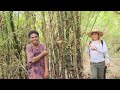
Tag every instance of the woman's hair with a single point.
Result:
(33, 31)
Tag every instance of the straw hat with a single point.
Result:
(95, 31)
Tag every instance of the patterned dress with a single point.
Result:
(36, 70)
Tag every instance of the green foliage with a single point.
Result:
(52, 27)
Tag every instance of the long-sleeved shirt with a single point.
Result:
(98, 56)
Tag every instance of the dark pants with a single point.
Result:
(98, 70)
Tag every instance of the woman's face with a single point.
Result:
(34, 39)
(95, 36)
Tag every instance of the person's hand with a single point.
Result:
(108, 64)
(46, 74)
(94, 48)
(45, 53)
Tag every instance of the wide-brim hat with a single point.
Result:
(99, 32)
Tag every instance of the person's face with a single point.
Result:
(95, 36)
(34, 39)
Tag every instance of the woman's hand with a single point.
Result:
(45, 53)
(94, 48)
(46, 73)
(108, 64)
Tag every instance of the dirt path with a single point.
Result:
(113, 72)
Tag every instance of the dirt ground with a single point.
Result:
(113, 72)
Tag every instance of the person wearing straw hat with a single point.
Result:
(97, 49)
